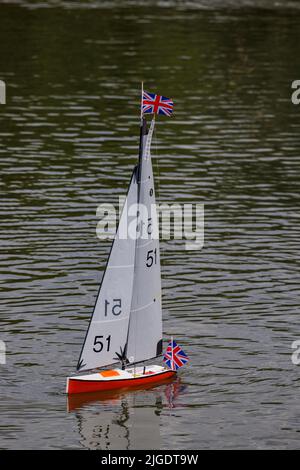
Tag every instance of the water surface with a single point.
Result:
(69, 140)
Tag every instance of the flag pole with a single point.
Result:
(142, 93)
(172, 353)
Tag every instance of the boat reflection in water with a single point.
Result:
(123, 419)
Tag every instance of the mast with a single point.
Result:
(143, 133)
(145, 324)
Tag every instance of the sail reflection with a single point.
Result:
(123, 419)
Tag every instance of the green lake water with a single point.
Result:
(68, 142)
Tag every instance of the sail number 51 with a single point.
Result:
(151, 258)
(98, 344)
(115, 308)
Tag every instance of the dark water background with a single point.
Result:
(68, 141)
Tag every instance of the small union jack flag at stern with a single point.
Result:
(175, 357)
(156, 104)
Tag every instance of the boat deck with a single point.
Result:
(117, 374)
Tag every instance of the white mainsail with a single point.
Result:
(145, 325)
(107, 334)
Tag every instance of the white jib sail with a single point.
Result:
(107, 334)
(145, 325)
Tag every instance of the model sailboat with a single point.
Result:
(126, 325)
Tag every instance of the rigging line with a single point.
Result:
(156, 162)
(158, 177)
(112, 320)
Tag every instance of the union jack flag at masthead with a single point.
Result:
(156, 104)
(175, 357)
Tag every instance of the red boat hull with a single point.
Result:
(75, 385)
